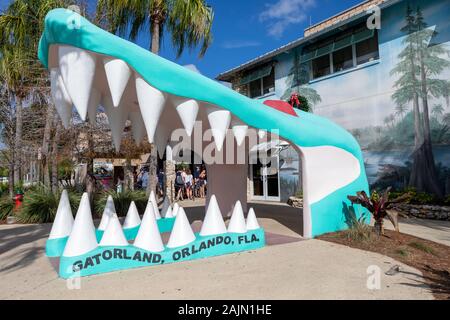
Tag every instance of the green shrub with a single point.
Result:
(40, 205)
(421, 246)
(359, 230)
(415, 197)
(122, 201)
(6, 207)
(4, 189)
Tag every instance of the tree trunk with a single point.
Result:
(55, 158)
(153, 165)
(45, 144)
(152, 174)
(128, 175)
(379, 229)
(18, 142)
(11, 175)
(425, 176)
(155, 37)
(90, 179)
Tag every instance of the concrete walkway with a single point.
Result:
(288, 268)
(433, 230)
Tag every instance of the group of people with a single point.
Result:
(190, 185)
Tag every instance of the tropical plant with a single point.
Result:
(6, 207)
(378, 205)
(21, 24)
(188, 21)
(297, 83)
(40, 205)
(358, 230)
(122, 201)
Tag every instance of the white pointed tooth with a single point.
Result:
(252, 222)
(148, 237)
(113, 235)
(117, 118)
(169, 213)
(239, 131)
(82, 239)
(176, 207)
(77, 70)
(152, 200)
(61, 98)
(262, 134)
(118, 73)
(108, 212)
(182, 233)
(94, 101)
(237, 221)
(63, 223)
(151, 103)
(213, 222)
(137, 126)
(166, 206)
(188, 111)
(132, 219)
(219, 120)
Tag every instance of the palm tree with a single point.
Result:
(189, 23)
(21, 25)
(437, 110)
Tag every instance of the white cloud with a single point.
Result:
(284, 13)
(236, 44)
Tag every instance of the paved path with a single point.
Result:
(288, 268)
(433, 230)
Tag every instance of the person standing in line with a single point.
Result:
(189, 182)
(179, 185)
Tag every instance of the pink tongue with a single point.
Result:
(282, 106)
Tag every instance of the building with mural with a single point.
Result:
(380, 69)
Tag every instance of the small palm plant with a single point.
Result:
(379, 206)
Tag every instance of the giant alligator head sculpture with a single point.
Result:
(91, 67)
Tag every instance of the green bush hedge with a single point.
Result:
(122, 201)
(40, 205)
(6, 207)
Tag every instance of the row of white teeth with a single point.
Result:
(82, 237)
(86, 80)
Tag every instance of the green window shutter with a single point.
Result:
(258, 74)
(307, 56)
(363, 35)
(324, 50)
(342, 43)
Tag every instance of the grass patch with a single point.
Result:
(359, 232)
(402, 252)
(421, 246)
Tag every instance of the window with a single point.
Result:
(321, 66)
(367, 50)
(255, 88)
(355, 46)
(269, 83)
(262, 86)
(343, 59)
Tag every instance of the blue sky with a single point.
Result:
(245, 29)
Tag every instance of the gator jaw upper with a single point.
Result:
(158, 96)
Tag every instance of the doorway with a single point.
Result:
(265, 179)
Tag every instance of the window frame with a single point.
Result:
(353, 45)
(261, 86)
